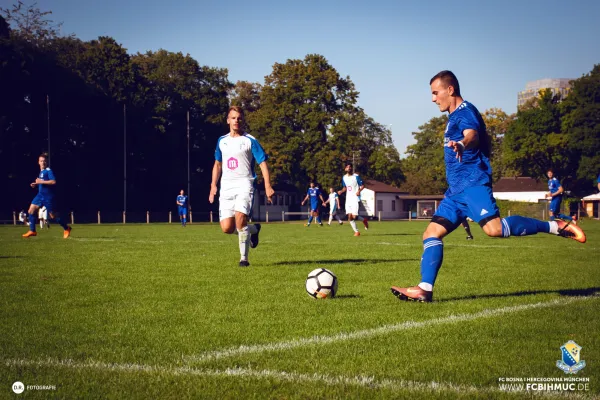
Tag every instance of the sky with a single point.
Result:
(389, 49)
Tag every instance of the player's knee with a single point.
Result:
(493, 228)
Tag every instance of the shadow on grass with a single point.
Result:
(1, 257)
(394, 234)
(348, 296)
(343, 261)
(563, 292)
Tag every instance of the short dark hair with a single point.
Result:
(449, 79)
(348, 163)
(45, 155)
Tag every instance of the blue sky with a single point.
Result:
(390, 49)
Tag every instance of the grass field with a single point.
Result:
(159, 311)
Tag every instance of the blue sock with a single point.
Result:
(523, 226)
(431, 261)
(563, 216)
(184, 221)
(310, 219)
(319, 220)
(59, 221)
(552, 218)
(32, 224)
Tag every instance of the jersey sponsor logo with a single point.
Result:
(349, 188)
(232, 163)
(483, 211)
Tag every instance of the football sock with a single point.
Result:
(330, 219)
(563, 216)
(552, 218)
(431, 261)
(244, 242)
(468, 229)
(523, 226)
(59, 221)
(319, 220)
(32, 222)
(353, 225)
(358, 217)
(310, 219)
(338, 218)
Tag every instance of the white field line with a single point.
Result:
(362, 381)
(476, 246)
(382, 330)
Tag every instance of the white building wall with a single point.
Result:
(529, 197)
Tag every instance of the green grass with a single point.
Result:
(147, 311)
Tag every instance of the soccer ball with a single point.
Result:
(321, 283)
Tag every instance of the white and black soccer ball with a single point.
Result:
(321, 283)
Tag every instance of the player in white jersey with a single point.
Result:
(235, 156)
(334, 206)
(353, 185)
(43, 216)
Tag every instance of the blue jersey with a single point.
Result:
(46, 190)
(313, 194)
(183, 200)
(475, 168)
(553, 186)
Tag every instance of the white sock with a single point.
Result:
(244, 242)
(330, 219)
(553, 227)
(426, 286)
(353, 225)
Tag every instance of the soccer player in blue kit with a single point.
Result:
(182, 207)
(555, 194)
(314, 194)
(45, 197)
(467, 149)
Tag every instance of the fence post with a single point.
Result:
(124, 217)
(283, 216)
(543, 214)
(509, 213)
(267, 217)
(191, 221)
(14, 217)
(409, 215)
(72, 218)
(211, 217)
(379, 215)
(98, 217)
(147, 217)
(169, 216)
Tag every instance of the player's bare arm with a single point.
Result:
(216, 175)
(341, 191)
(269, 192)
(470, 140)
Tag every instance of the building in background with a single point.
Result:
(532, 89)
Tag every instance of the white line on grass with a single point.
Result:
(382, 330)
(362, 381)
(587, 248)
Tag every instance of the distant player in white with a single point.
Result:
(334, 206)
(235, 156)
(353, 185)
(43, 216)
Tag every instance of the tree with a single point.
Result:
(581, 120)
(246, 95)
(497, 123)
(534, 141)
(30, 23)
(424, 165)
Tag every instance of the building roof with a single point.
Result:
(380, 187)
(420, 197)
(520, 184)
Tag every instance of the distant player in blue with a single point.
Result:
(45, 197)
(314, 194)
(467, 151)
(555, 195)
(182, 207)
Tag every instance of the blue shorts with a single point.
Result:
(182, 211)
(477, 203)
(555, 204)
(40, 200)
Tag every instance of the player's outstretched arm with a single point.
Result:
(216, 175)
(341, 191)
(269, 192)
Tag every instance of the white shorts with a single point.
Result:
(352, 207)
(234, 200)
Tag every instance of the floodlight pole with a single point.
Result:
(188, 158)
(124, 158)
(48, 125)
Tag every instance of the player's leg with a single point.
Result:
(184, 212)
(337, 216)
(444, 221)
(480, 205)
(330, 217)
(352, 212)
(32, 213)
(247, 234)
(317, 215)
(54, 216)
(465, 225)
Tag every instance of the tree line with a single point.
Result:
(97, 109)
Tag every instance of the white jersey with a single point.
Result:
(238, 156)
(332, 201)
(352, 184)
(43, 213)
